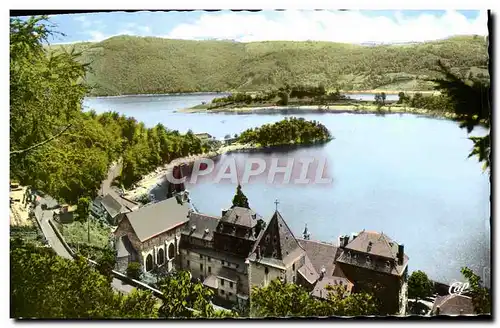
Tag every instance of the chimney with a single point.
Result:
(224, 212)
(258, 252)
(401, 252)
(341, 241)
(369, 248)
(354, 235)
(322, 273)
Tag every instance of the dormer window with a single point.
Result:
(368, 260)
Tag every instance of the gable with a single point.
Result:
(277, 241)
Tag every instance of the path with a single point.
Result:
(43, 217)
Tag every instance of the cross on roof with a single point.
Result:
(276, 202)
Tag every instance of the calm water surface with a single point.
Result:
(404, 175)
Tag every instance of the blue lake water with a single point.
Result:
(404, 175)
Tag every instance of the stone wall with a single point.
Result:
(202, 266)
(259, 277)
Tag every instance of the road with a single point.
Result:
(43, 216)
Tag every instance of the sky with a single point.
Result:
(351, 26)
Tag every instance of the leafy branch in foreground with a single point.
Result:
(470, 100)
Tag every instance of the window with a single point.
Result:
(222, 262)
(230, 294)
(293, 267)
(209, 270)
(187, 262)
(266, 270)
(222, 291)
(201, 267)
(209, 259)
(222, 282)
(231, 285)
(237, 266)
(201, 257)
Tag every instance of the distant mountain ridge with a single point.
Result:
(147, 65)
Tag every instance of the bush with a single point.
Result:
(134, 270)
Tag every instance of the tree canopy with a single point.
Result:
(280, 299)
(419, 285)
(44, 285)
(287, 131)
(57, 148)
(481, 298)
(240, 199)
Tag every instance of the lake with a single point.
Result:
(404, 175)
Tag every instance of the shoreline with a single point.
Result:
(152, 179)
(334, 109)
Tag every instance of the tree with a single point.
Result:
(402, 98)
(481, 298)
(184, 298)
(137, 304)
(419, 285)
(83, 209)
(280, 299)
(106, 263)
(134, 270)
(284, 97)
(44, 285)
(383, 97)
(240, 199)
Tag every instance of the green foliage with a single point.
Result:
(83, 209)
(57, 148)
(44, 285)
(106, 261)
(469, 98)
(279, 299)
(77, 233)
(419, 285)
(134, 270)
(183, 296)
(146, 65)
(46, 133)
(284, 98)
(240, 199)
(481, 298)
(288, 131)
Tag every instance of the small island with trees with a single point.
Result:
(289, 131)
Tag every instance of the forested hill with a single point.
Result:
(140, 65)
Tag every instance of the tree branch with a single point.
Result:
(15, 152)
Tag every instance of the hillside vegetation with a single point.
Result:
(142, 65)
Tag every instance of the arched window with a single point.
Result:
(161, 256)
(149, 262)
(171, 251)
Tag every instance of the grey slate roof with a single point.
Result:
(277, 242)
(201, 222)
(111, 205)
(452, 304)
(381, 245)
(212, 282)
(228, 274)
(153, 219)
(321, 255)
(308, 272)
(241, 216)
